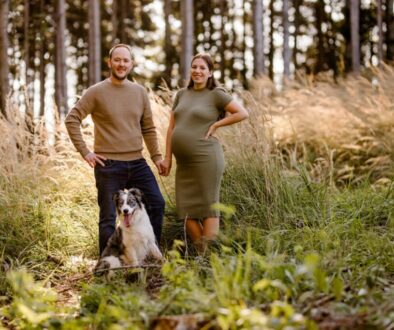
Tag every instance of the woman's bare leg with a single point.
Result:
(195, 231)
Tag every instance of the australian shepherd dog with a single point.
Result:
(133, 240)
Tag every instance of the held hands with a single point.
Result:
(93, 159)
(165, 167)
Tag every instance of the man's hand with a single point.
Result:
(93, 159)
(159, 166)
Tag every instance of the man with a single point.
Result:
(122, 117)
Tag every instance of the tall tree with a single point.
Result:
(286, 34)
(4, 67)
(297, 24)
(380, 30)
(94, 42)
(61, 69)
(187, 37)
(271, 53)
(258, 38)
(26, 48)
(355, 36)
(168, 48)
(390, 30)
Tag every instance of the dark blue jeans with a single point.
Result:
(117, 175)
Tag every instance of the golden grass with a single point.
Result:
(343, 132)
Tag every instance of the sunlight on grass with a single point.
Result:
(307, 229)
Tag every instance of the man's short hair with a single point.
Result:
(118, 46)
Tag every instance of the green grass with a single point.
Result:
(290, 243)
(303, 244)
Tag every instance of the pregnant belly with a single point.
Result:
(191, 147)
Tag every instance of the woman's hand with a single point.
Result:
(211, 131)
(166, 166)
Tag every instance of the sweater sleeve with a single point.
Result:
(148, 130)
(73, 121)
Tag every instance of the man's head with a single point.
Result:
(120, 61)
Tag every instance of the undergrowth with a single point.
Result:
(303, 245)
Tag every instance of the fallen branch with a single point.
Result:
(127, 267)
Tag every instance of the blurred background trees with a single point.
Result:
(54, 49)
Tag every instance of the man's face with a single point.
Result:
(120, 63)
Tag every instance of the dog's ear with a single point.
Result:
(136, 193)
(115, 197)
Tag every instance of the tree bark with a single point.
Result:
(271, 53)
(167, 43)
(26, 47)
(187, 37)
(258, 38)
(223, 16)
(42, 62)
(4, 67)
(355, 34)
(297, 22)
(60, 72)
(94, 42)
(286, 46)
(390, 30)
(380, 30)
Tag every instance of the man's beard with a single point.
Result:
(114, 74)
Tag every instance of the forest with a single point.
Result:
(307, 199)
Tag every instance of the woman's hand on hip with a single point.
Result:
(212, 129)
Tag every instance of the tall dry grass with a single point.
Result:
(343, 132)
(47, 199)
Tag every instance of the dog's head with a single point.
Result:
(127, 202)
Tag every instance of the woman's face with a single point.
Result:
(199, 72)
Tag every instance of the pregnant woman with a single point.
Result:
(198, 111)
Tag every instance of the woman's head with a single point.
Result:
(201, 72)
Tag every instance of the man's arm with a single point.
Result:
(149, 133)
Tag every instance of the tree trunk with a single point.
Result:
(223, 16)
(122, 11)
(271, 53)
(380, 30)
(286, 46)
(245, 84)
(60, 72)
(187, 37)
(26, 47)
(297, 22)
(390, 30)
(167, 43)
(4, 67)
(355, 34)
(319, 14)
(42, 62)
(114, 21)
(258, 38)
(94, 42)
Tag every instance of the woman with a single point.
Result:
(198, 111)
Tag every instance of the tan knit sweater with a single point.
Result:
(122, 118)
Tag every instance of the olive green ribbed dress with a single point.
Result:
(200, 161)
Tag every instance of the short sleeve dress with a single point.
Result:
(200, 161)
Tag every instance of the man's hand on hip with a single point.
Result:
(93, 159)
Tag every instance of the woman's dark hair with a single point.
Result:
(211, 83)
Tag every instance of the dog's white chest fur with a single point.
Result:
(133, 240)
(139, 239)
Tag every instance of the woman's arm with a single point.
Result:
(237, 114)
(167, 162)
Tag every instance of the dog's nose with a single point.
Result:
(125, 211)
